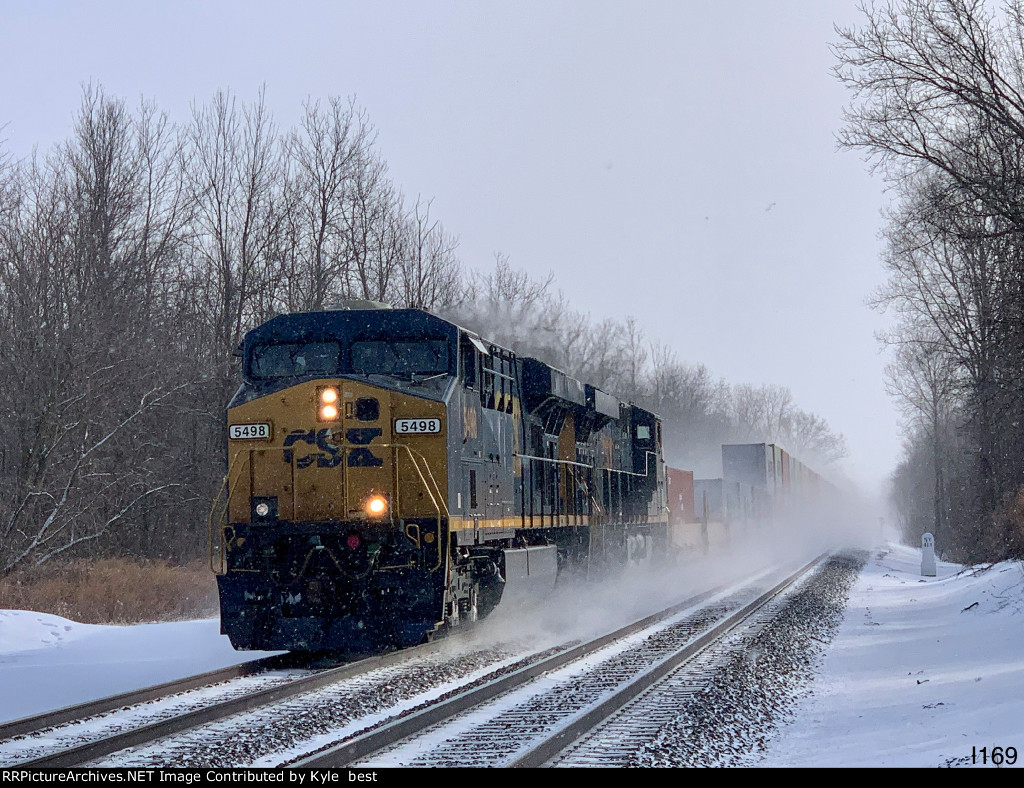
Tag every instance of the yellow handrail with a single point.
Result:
(222, 502)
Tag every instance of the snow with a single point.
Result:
(922, 669)
(48, 662)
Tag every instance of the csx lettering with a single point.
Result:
(362, 436)
(363, 458)
(328, 458)
(330, 455)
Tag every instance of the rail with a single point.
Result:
(530, 740)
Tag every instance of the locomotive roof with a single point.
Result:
(351, 322)
(414, 322)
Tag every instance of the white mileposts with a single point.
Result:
(928, 555)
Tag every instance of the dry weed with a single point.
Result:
(113, 591)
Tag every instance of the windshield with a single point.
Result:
(401, 358)
(293, 359)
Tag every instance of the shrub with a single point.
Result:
(113, 591)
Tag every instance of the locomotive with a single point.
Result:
(392, 476)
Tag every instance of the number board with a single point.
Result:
(417, 426)
(241, 432)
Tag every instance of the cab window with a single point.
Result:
(294, 359)
(400, 358)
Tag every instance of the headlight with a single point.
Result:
(328, 413)
(264, 508)
(328, 404)
(376, 506)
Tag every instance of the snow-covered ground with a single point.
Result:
(48, 662)
(923, 672)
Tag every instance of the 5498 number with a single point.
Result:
(240, 432)
(417, 426)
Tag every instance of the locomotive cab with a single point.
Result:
(334, 516)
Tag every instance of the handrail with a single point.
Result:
(226, 485)
(645, 474)
(438, 500)
(222, 500)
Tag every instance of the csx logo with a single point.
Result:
(329, 455)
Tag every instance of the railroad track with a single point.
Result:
(526, 718)
(273, 679)
(50, 719)
(365, 708)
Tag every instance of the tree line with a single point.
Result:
(699, 412)
(938, 109)
(136, 254)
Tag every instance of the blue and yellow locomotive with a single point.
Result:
(392, 475)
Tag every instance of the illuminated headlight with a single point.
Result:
(328, 404)
(328, 413)
(376, 506)
(262, 509)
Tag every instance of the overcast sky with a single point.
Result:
(674, 160)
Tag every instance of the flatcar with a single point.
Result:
(392, 476)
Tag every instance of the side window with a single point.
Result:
(472, 489)
(469, 354)
(496, 380)
(492, 370)
(506, 384)
(511, 382)
(487, 382)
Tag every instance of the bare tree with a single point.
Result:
(235, 178)
(811, 439)
(326, 153)
(370, 222)
(937, 84)
(924, 380)
(938, 106)
(92, 230)
(954, 285)
(430, 274)
(763, 412)
(510, 307)
(769, 414)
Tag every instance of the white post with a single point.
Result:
(928, 555)
(704, 535)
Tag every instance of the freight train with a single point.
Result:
(761, 483)
(392, 476)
